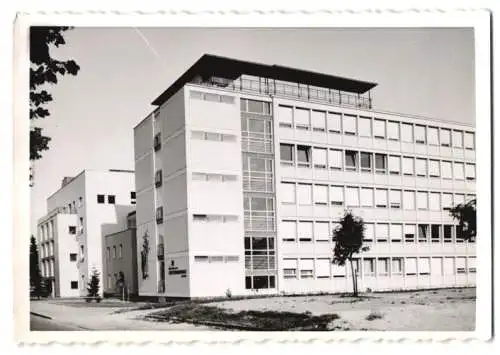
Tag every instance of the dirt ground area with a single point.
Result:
(429, 310)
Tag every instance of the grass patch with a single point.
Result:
(374, 315)
(250, 320)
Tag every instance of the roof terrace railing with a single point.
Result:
(288, 90)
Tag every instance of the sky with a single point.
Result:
(419, 71)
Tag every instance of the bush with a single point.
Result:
(374, 315)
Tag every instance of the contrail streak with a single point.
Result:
(146, 42)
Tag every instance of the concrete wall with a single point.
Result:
(66, 244)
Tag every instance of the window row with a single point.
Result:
(216, 258)
(379, 163)
(102, 198)
(360, 196)
(201, 218)
(369, 267)
(214, 177)
(334, 122)
(322, 231)
(205, 96)
(111, 252)
(212, 136)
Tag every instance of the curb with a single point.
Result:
(40, 315)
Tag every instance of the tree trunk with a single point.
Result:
(354, 286)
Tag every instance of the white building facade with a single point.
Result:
(244, 170)
(70, 237)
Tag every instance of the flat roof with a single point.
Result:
(210, 65)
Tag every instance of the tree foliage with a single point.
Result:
(465, 214)
(93, 285)
(348, 238)
(35, 275)
(44, 70)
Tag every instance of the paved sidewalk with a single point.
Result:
(102, 318)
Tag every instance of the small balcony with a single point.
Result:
(160, 251)
(157, 142)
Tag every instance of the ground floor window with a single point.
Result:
(74, 285)
(260, 282)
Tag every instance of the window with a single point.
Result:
(458, 199)
(111, 199)
(433, 135)
(114, 251)
(290, 268)
(318, 120)
(422, 202)
(366, 197)
(437, 266)
(72, 257)
(288, 192)
(381, 163)
(421, 167)
(447, 233)
(323, 268)
(408, 166)
(396, 233)
(132, 197)
(350, 125)
(407, 132)
(303, 156)
(383, 266)
(254, 106)
(100, 198)
(338, 271)
(335, 159)
(435, 233)
(351, 160)
(397, 266)
(306, 267)
(411, 266)
(159, 215)
(365, 126)
(409, 233)
(471, 264)
(424, 266)
(158, 178)
(470, 172)
(369, 235)
(423, 233)
(460, 265)
(288, 231)
(434, 168)
(434, 201)
(157, 142)
(72, 230)
(394, 165)
(321, 194)
(285, 116)
(108, 253)
(447, 201)
(379, 129)
(395, 198)
(120, 251)
(319, 158)
(305, 231)
(458, 171)
(393, 130)
(458, 139)
(381, 198)
(334, 122)
(458, 234)
(369, 267)
(469, 198)
(419, 134)
(304, 193)
(302, 118)
(286, 154)
(382, 232)
(337, 195)
(469, 140)
(446, 169)
(74, 285)
(409, 200)
(366, 162)
(321, 231)
(352, 197)
(445, 137)
(449, 266)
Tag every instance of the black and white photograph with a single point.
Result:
(256, 179)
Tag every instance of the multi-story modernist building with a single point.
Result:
(243, 171)
(70, 237)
